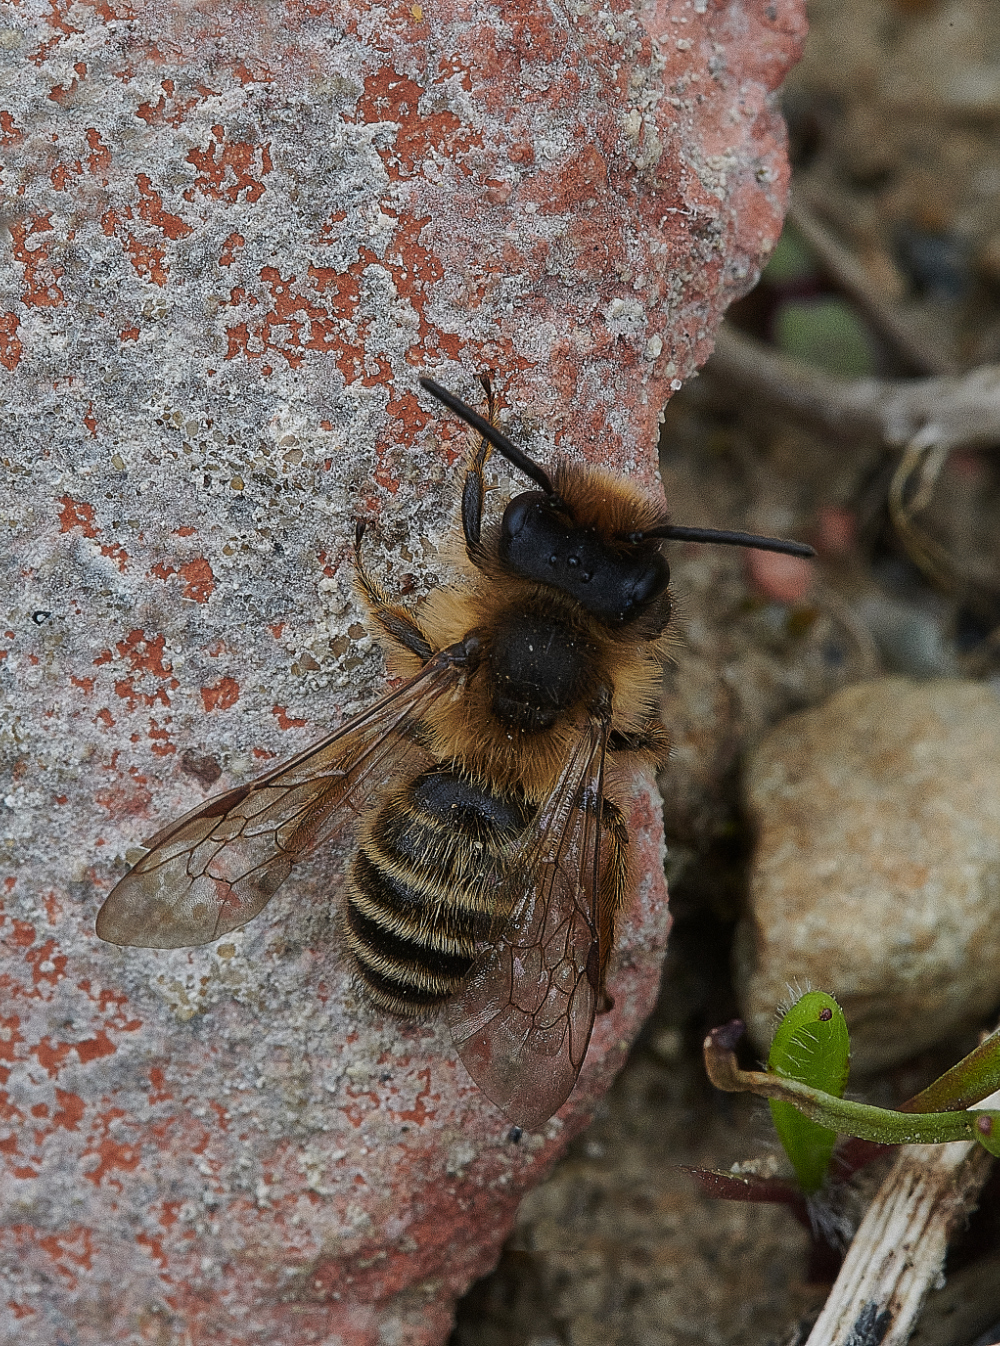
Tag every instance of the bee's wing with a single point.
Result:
(218, 866)
(522, 1022)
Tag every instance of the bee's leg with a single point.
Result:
(653, 741)
(614, 882)
(474, 489)
(652, 744)
(395, 621)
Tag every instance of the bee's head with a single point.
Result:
(592, 537)
(617, 580)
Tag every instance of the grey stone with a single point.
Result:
(876, 874)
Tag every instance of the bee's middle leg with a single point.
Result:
(394, 620)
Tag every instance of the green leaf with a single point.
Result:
(970, 1081)
(825, 332)
(791, 259)
(842, 1115)
(811, 1046)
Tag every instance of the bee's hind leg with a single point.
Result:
(613, 888)
(394, 620)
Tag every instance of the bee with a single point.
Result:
(488, 789)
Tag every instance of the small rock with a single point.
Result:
(783, 579)
(877, 868)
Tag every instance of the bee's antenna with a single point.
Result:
(678, 533)
(500, 442)
(669, 531)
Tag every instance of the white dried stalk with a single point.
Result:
(899, 1250)
(948, 411)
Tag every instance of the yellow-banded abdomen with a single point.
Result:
(423, 885)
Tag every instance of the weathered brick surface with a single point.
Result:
(237, 234)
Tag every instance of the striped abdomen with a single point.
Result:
(422, 887)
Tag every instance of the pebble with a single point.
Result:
(783, 579)
(876, 874)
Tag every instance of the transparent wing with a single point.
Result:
(523, 1021)
(218, 866)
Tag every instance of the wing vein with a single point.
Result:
(219, 865)
(523, 1021)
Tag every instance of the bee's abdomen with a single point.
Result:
(423, 885)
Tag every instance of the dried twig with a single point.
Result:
(921, 465)
(899, 1250)
(924, 353)
(946, 412)
(925, 418)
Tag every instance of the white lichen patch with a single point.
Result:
(189, 981)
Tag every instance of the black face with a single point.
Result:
(614, 584)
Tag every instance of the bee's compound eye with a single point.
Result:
(647, 584)
(519, 514)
